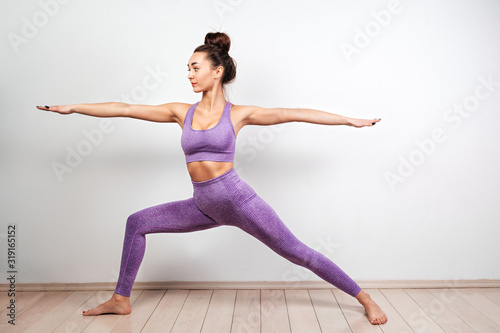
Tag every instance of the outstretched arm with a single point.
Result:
(160, 113)
(254, 115)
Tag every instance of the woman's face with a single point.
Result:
(201, 74)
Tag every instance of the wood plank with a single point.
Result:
(438, 311)
(219, 316)
(23, 301)
(301, 312)
(451, 310)
(106, 322)
(489, 308)
(77, 321)
(167, 311)
(51, 320)
(468, 313)
(246, 317)
(414, 315)
(274, 313)
(5, 301)
(491, 293)
(395, 323)
(193, 312)
(37, 310)
(328, 312)
(143, 307)
(354, 313)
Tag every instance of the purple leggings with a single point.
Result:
(224, 200)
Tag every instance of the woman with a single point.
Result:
(220, 197)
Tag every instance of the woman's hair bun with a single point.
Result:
(218, 39)
(216, 49)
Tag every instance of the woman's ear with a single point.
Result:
(218, 72)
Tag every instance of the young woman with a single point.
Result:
(220, 197)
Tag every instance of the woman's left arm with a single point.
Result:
(255, 115)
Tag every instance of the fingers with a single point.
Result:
(365, 122)
(62, 109)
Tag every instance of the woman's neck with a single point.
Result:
(213, 99)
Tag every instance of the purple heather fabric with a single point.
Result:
(213, 144)
(224, 200)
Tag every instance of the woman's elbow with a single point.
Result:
(289, 115)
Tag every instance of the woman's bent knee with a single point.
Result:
(135, 221)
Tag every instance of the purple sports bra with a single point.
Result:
(213, 144)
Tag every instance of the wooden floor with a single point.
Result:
(291, 310)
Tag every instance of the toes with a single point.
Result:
(378, 321)
(89, 312)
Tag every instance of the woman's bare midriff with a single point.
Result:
(206, 170)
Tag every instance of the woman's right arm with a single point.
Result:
(169, 112)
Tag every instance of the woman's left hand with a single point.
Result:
(363, 122)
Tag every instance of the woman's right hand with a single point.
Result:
(62, 109)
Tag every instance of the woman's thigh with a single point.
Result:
(176, 216)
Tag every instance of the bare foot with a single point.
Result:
(117, 304)
(375, 314)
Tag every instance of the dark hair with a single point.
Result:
(216, 47)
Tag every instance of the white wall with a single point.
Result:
(414, 197)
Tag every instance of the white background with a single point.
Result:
(384, 203)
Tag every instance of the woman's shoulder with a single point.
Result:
(180, 108)
(242, 109)
(181, 105)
